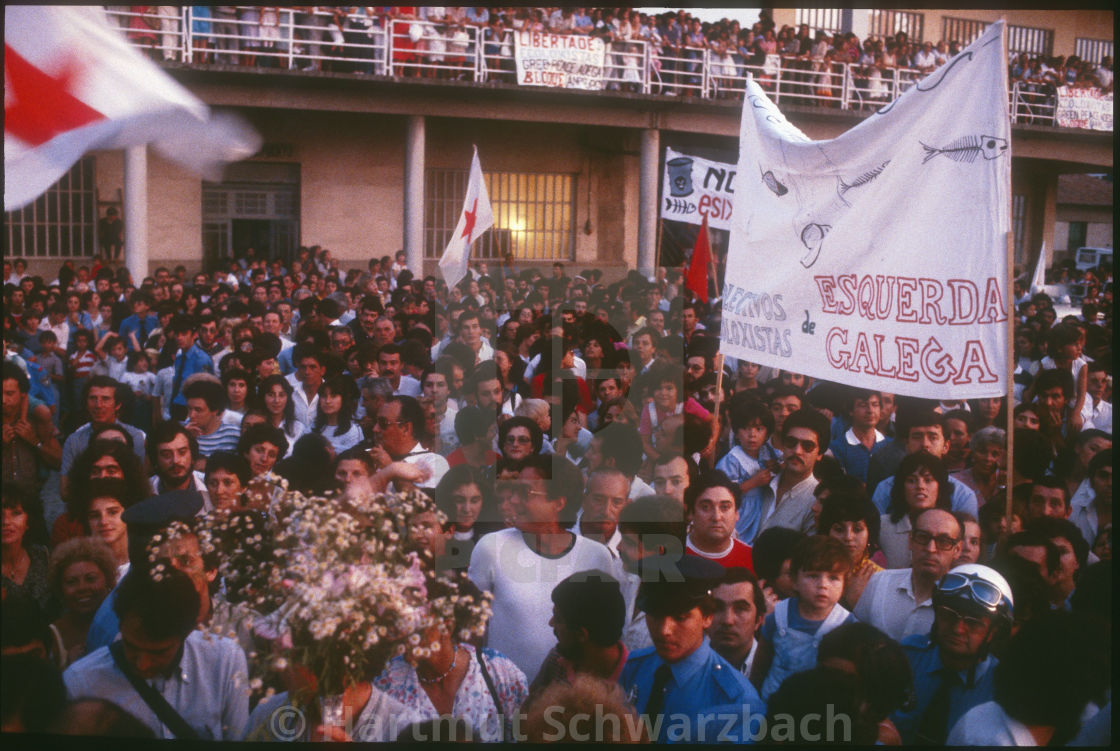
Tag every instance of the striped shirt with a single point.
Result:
(223, 439)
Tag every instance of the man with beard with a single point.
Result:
(172, 452)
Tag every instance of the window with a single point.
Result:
(1093, 50)
(887, 23)
(825, 19)
(1030, 40)
(61, 223)
(1018, 222)
(1077, 233)
(534, 214)
(963, 30)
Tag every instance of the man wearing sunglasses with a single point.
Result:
(396, 431)
(952, 665)
(898, 601)
(788, 501)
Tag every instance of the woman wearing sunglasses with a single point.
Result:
(921, 482)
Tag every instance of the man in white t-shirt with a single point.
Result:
(520, 566)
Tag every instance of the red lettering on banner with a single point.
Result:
(841, 334)
(907, 349)
(848, 287)
(865, 298)
(907, 313)
(963, 293)
(826, 286)
(883, 371)
(881, 310)
(938, 371)
(973, 357)
(992, 310)
(863, 354)
(931, 295)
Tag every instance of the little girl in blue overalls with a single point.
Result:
(790, 635)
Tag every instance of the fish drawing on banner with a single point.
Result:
(772, 183)
(679, 206)
(968, 148)
(812, 237)
(843, 187)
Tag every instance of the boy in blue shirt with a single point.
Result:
(751, 463)
(791, 634)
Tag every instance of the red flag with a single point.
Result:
(72, 83)
(697, 277)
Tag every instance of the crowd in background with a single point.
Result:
(568, 419)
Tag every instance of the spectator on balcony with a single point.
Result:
(941, 53)
(142, 26)
(227, 32)
(169, 30)
(924, 59)
(269, 34)
(200, 30)
(310, 24)
(498, 48)
(723, 64)
(581, 21)
(1103, 74)
(671, 38)
(250, 32)
(695, 43)
(561, 21)
(363, 37)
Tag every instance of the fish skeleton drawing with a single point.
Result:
(843, 187)
(773, 184)
(812, 236)
(968, 148)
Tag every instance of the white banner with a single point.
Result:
(692, 187)
(1083, 108)
(564, 61)
(879, 258)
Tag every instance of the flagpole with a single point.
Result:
(1009, 396)
(709, 454)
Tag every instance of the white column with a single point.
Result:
(647, 202)
(136, 212)
(414, 195)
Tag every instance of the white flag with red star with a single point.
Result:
(72, 83)
(476, 218)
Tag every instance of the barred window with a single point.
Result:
(963, 30)
(887, 23)
(1030, 40)
(1018, 223)
(825, 19)
(61, 223)
(534, 214)
(1093, 50)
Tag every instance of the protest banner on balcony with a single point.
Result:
(879, 258)
(692, 188)
(564, 61)
(1083, 108)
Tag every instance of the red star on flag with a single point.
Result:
(39, 106)
(468, 226)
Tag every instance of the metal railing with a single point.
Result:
(354, 42)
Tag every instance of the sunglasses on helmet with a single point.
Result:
(983, 592)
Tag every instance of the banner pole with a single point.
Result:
(709, 453)
(1009, 396)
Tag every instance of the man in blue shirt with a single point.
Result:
(686, 691)
(854, 447)
(953, 670)
(190, 358)
(135, 329)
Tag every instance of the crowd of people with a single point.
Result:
(636, 530)
(442, 42)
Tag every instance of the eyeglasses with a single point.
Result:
(518, 439)
(983, 592)
(385, 422)
(944, 543)
(952, 618)
(790, 443)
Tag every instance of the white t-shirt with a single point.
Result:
(522, 582)
(988, 725)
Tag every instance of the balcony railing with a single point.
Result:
(340, 42)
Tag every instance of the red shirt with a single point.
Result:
(738, 556)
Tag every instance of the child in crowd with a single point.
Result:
(51, 370)
(751, 463)
(81, 365)
(791, 634)
(1064, 344)
(663, 386)
(112, 352)
(142, 381)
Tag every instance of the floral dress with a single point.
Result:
(473, 701)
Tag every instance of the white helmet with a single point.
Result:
(979, 585)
